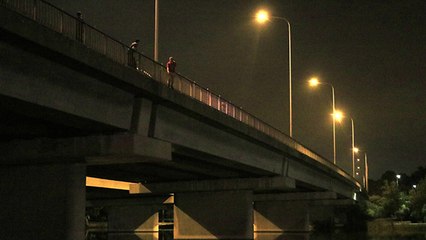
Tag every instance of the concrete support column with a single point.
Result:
(281, 216)
(137, 218)
(132, 217)
(143, 117)
(213, 215)
(294, 212)
(43, 202)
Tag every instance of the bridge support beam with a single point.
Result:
(132, 217)
(214, 215)
(293, 212)
(43, 202)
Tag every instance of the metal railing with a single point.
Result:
(76, 29)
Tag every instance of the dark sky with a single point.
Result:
(373, 52)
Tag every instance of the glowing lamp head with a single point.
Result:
(338, 116)
(313, 82)
(356, 150)
(262, 16)
(398, 176)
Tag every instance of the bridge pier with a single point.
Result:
(43, 201)
(132, 217)
(293, 212)
(214, 215)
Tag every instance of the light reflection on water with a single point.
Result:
(260, 236)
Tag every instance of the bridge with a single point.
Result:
(87, 136)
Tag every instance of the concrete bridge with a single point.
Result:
(85, 135)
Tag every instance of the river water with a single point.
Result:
(266, 236)
(337, 236)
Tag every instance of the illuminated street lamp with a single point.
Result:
(156, 31)
(354, 149)
(366, 171)
(337, 115)
(262, 17)
(397, 179)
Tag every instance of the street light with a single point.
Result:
(262, 16)
(366, 170)
(397, 179)
(337, 115)
(354, 149)
(156, 31)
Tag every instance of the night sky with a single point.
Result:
(373, 52)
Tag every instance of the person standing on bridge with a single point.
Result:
(171, 71)
(79, 28)
(131, 59)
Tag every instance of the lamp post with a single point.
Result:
(337, 115)
(156, 31)
(366, 171)
(262, 16)
(354, 149)
(398, 176)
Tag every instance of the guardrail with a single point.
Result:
(76, 29)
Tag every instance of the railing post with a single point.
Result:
(105, 45)
(35, 10)
(62, 22)
(191, 89)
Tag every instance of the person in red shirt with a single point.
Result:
(171, 71)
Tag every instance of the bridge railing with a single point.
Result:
(76, 29)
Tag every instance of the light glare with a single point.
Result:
(313, 82)
(262, 16)
(338, 115)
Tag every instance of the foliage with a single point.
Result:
(390, 199)
(418, 201)
(404, 211)
(374, 207)
(397, 198)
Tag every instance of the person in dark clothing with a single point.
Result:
(131, 54)
(171, 71)
(79, 28)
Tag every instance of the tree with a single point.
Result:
(418, 201)
(404, 211)
(390, 199)
(374, 206)
(389, 176)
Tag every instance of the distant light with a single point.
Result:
(356, 150)
(358, 167)
(357, 173)
(414, 186)
(262, 16)
(313, 82)
(357, 160)
(354, 196)
(398, 176)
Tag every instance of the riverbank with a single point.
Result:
(389, 227)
